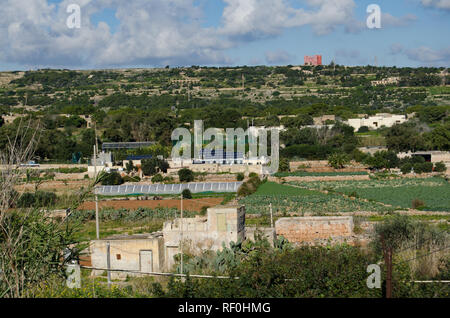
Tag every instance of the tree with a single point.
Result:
(404, 138)
(2, 121)
(186, 194)
(151, 167)
(186, 175)
(113, 178)
(338, 160)
(440, 167)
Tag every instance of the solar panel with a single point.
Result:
(126, 145)
(168, 188)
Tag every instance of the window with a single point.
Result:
(118, 257)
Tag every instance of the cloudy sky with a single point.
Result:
(146, 33)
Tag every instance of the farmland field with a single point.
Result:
(434, 192)
(287, 199)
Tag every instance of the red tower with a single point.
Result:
(314, 60)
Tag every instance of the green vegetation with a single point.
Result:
(287, 199)
(320, 174)
(399, 193)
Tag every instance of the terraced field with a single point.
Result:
(288, 199)
(434, 192)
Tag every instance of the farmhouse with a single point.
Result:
(375, 122)
(149, 253)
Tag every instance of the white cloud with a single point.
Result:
(389, 20)
(425, 55)
(253, 19)
(278, 57)
(154, 32)
(439, 4)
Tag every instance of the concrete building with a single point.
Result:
(314, 60)
(223, 225)
(147, 253)
(143, 253)
(430, 156)
(386, 81)
(375, 122)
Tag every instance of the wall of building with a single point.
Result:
(312, 229)
(222, 225)
(125, 254)
(376, 122)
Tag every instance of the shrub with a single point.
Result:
(440, 167)
(158, 178)
(186, 194)
(416, 203)
(363, 129)
(131, 179)
(186, 175)
(252, 175)
(249, 187)
(112, 178)
(406, 168)
(38, 199)
(240, 176)
(338, 160)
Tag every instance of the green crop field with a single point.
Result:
(320, 174)
(288, 199)
(434, 192)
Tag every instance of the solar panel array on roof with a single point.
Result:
(220, 154)
(139, 157)
(219, 187)
(126, 145)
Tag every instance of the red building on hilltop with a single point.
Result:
(313, 60)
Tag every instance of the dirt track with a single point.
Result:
(188, 205)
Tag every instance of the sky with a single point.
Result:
(35, 34)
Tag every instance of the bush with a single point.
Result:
(338, 160)
(363, 129)
(240, 176)
(186, 175)
(406, 168)
(416, 203)
(252, 175)
(112, 178)
(158, 178)
(151, 166)
(440, 167)
(186, 194)
(37, 200)
(249, 187)
(131, 179)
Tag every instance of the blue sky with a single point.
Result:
(151, 33)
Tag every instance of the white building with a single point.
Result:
(375, 122)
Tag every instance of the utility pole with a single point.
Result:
(108, 262)
(271, 216)
(387, 251)
(97, 226)
(181, 235)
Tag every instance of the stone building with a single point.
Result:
(155, 252)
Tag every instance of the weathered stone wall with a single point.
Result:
(310, 229)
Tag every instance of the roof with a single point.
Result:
(126, 145)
